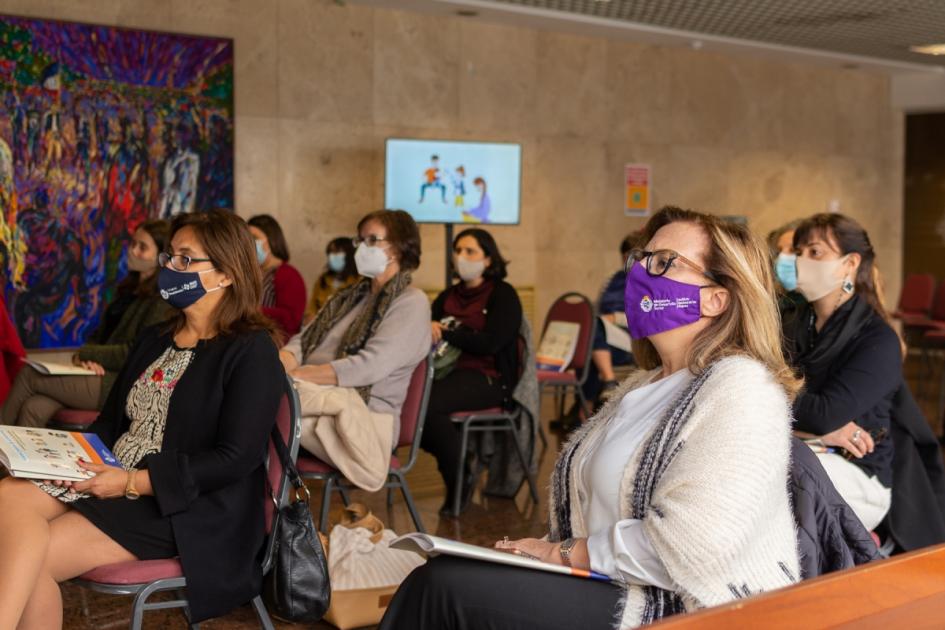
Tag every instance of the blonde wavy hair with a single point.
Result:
(751, 325)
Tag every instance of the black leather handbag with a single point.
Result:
(297, 586)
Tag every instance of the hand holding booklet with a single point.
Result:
(57, 369)
(427, 545)
(33, 453)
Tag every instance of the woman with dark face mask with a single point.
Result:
(850, 358)
(488, 315)
(35, 397)
(189, 419)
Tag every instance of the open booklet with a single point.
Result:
(557, 346)
(427, 545)
(33, 453)
(57, 369)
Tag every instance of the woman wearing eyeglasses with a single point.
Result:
(851, 360)
(189, 419)
(35, 398)
(676, 491)
(371, 335)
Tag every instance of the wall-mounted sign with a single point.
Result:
(638, 178)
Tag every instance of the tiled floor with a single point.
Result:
(487, 520)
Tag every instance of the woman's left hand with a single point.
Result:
(109, 482)
(541, 549)
(318, 374)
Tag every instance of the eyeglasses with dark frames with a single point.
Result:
(658, 262)
(370, 240)
(179, 262)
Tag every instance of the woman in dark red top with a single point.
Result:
(489, 314)
(283, 296)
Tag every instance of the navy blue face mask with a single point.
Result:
(180, 289)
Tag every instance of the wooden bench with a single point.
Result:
(906, 591)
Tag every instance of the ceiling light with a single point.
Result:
(929, 49)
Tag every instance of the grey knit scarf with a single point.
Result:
(365, 324)
(658, 453)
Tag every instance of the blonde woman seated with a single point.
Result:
(368, 337)
(677, 489)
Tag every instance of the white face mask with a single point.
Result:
(469, 270)
(817, 278)
(370, 261)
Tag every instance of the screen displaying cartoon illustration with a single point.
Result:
(454, 182)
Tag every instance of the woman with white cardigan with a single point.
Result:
(677, 489)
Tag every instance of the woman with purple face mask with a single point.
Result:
(851, 359)
(677, 488)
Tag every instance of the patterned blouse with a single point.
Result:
(146, 406)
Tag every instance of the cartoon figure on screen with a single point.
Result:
(479, 214)
(433, 178)
(459, 188)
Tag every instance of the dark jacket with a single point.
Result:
(852, 369)
(123, 321)
(612, 296)
(498, 338)
(917, 516)
(830, 537)
(209, 476)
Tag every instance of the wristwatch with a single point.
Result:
(565, 551)
(131, 493)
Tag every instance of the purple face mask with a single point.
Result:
(655, 304)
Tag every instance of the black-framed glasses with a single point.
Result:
(370, 240)
(180, 262)
(658, 262)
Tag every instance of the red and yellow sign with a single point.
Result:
(637, 178)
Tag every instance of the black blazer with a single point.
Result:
(209, 477)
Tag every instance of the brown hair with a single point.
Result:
(402, 234)
(230, 247)
(751, 325)
(160, 232)
(775, 235)
(273, 231)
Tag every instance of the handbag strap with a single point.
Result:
(301, 491)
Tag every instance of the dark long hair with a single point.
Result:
(160, 232)
(273, 231)
(231, 249)
(497, 268)
(850, 238)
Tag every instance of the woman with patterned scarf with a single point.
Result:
(676, 492)
(371, 335)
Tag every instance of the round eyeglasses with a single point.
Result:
(658, 262)
(179, 262)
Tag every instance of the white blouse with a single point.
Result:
(619, 548)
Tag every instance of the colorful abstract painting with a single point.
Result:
(101, 129)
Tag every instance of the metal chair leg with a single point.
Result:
(408, 499)
(326, 503)
(526, 468)
(344, 495)
(460, 470)
(264, 619)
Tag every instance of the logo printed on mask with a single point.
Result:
(646, 304)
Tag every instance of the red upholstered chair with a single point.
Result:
(494, 420)
(144, 578)
(412, 416)
(576, 308)
(916, 296)
(72, 419)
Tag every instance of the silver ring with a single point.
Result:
(856, 436)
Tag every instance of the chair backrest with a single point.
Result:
(916, 294)
(938, 303)
(414, 411)
(288, 419)
(576, 308)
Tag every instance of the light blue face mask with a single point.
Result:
(261, 254)
(785, 268)
(336, 262)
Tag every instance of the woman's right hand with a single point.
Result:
(93, 366)
(851, 437)
(436, 329)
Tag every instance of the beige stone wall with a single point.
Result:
(320, 86)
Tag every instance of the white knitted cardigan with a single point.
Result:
(711, 486)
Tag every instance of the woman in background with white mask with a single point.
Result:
(850, 358)
(371, 335)
(488, 315)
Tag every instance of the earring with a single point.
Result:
(847, 286)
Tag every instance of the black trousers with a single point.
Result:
(449, 593)
(460, 390)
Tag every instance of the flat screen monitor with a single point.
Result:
(439, 181)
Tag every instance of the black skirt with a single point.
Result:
(137, 525)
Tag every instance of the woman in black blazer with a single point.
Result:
(189, 420)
